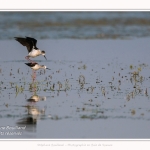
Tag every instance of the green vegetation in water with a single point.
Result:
(139, 69)
(131, 66)
(83, 67)
(93, 116)
(19, 89)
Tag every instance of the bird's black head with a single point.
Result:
(43, 53)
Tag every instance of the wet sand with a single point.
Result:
(95, 89)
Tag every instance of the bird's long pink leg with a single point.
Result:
(27, 58)
(33, 78)
(33, 75)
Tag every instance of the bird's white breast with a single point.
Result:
(36, 67)
(34, 53)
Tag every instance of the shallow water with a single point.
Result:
(95, 89)
(75, 25)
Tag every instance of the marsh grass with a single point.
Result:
(97, 87)
(19, 89)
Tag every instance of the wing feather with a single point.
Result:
(31, 64)
(25, 42)
(33, 40)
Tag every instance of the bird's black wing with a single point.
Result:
(33, 40)
(25, 42)
(31, 64)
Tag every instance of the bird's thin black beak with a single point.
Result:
(48, 68)
(45, 57)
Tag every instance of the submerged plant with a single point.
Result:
(19, 89)
(131, 67)
(139, 69)
(83, 67)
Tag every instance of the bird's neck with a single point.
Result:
(43, 67)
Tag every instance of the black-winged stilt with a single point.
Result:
(30, 43)
(36, 66)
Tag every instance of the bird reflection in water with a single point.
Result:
(33, 112)
(36, 98)
(30, 121)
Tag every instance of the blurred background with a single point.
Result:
(75, 25)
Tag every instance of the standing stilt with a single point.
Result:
(34, 67)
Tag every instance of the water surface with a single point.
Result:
(75, 25)
(95, 89)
